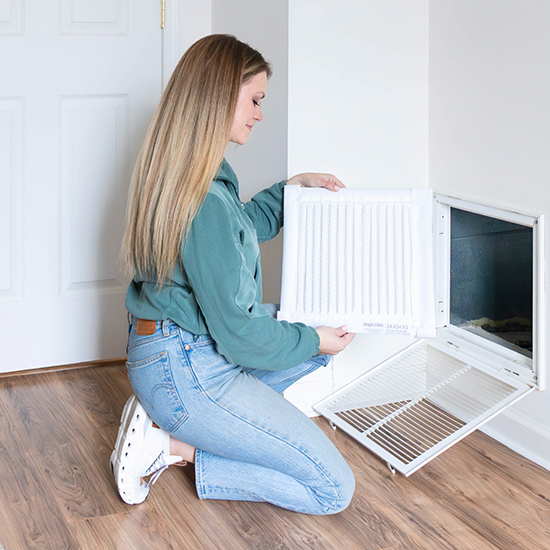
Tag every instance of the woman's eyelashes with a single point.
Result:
(256, 103)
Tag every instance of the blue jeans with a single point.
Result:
(252, 444)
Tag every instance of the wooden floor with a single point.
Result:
(57, 430)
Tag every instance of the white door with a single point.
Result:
(79, 82)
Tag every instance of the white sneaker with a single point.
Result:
(142, 449)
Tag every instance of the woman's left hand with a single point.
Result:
(328, 181)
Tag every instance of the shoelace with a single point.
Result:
(160, 465)
(156, 475)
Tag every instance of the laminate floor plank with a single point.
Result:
(69, 451)
(246, 526)
(115, 379)
(448, 482)
(29, 516)
(392, 505)
(94, 395)
(57, 491)
(493, 502)
(251, 526)
(141, 528)
(507, 472)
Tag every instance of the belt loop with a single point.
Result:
(165, 330)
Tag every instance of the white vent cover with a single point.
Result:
(415, 405)
(360, 257)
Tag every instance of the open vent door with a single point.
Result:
(414, 406)
(365, 258)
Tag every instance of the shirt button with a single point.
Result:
(187, 347)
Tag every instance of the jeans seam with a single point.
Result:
(204, 491)
(208, 491)
(221, 490)
(174, 389)
(199, 483)
(194, 344)
(151, 339)
(168, 384)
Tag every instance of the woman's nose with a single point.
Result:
(258, 114)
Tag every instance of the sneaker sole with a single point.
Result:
(133, 418)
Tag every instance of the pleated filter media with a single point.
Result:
(359, 257)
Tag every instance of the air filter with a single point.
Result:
(359, 257)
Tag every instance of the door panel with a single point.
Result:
(80, 82)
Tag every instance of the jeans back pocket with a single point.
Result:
(152, 382)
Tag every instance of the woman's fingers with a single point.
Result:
(333, 340)
(310, 179)
(333, 182)
(340, 331)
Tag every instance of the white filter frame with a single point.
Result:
(321, 225)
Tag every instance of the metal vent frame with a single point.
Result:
(531, 370)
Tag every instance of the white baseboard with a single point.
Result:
(523, 434)
(305, 394)
(315, 387)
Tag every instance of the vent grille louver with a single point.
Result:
(410, 409)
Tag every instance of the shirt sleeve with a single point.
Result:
(226, 292)
(265, 209)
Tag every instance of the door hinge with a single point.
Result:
(162, 13)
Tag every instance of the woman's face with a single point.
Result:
(249, 110)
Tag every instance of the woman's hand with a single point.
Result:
(333, 340)
(328, 181)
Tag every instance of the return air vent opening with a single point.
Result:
(492, 279)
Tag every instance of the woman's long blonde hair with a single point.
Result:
(183, 150)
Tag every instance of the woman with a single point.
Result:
(206, 361)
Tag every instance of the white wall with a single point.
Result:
(490, 137)
(263, 160)
(358, 107)
(358, 82)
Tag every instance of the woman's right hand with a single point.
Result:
(333, 340)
